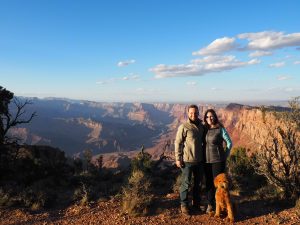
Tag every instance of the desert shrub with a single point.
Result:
(297, 207)
(267, 192)
(4, 198)
(242, 173)
(28, 164)
(137, 196)
(177, 183)
(278, 158)
(89, 186)
(142, 162)
(82, 195)
(33, 200)
(239, 164)
(78, 165)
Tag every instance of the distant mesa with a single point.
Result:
(236, 106)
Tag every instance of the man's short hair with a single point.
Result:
(193, 107)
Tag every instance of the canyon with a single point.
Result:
(120, 129)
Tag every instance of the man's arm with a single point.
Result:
(179, 144)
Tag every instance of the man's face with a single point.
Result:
(193, 114)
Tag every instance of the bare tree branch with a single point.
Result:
(278, 159)
(7, 118)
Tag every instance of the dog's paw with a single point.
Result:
(231, 220)
(211, 214)
(217, 215)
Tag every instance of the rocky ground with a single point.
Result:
(164, 211)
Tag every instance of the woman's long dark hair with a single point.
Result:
(217, 122)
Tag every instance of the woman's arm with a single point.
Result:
(228, 141)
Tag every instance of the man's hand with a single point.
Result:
(179, 164)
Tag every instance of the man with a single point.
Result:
(189, 157)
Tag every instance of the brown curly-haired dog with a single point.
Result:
(223, 202)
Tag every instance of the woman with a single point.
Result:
(215, 154)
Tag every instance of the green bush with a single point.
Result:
(242, 173)
(278, 158)
(83, 194)
(297, 207)
(137, 196)
(142, 162)
(177, 183)
(267, 192)
(4, 198)
(239, 164)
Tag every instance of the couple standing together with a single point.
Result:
(199, 151)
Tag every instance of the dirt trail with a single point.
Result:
(165, 211)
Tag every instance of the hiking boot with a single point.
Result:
(185, 210)
(209, 209)
(197, 208)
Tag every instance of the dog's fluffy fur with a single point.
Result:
(223, 202)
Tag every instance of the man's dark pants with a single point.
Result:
(189, 169)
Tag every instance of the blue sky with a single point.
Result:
(151, 51)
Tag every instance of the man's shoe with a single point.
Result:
(197, 208)
(185, 210)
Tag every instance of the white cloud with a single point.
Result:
(191, 83)
(140, 89)
(214, 59)
(145, 91)
(101, 82)
(283, 77)
(218, 46)
(289, 89)
(201, 67)
(135, 77)
(259, 43)
(283, 89)
(277, 65)
(260, 53)
(297, 62)
(288, 56)
(126, 62)
(131, 77)
(268, 40)
(252, 89)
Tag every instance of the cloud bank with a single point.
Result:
(201, 67)
(213, 59)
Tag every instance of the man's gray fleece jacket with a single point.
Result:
(189, 142)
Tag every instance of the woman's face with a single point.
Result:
(210, 119)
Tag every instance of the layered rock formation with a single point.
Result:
(121, 127)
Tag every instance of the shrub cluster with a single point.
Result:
(147, 180)
(242, 173)
(137, 196)
(278, 159)
(36, 177)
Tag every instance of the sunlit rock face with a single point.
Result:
(74, 126)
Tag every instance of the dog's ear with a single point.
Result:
(216, 181)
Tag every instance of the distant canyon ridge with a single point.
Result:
(74, 126)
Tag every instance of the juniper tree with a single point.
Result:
(278, 160)
(9, 119)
